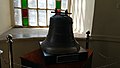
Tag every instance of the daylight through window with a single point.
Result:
(35, 12)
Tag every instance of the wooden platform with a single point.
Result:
(35, 59)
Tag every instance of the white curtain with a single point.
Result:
(82, 14)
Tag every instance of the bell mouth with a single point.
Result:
(61, 50)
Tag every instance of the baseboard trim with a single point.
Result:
(106, 38)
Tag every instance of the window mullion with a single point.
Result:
(37, 14)
(21, 12)
(69, 5)
(46, 13)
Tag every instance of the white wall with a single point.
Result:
(5, 22)
(107, 18)
(106, 26)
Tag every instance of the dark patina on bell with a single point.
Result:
(60, 38)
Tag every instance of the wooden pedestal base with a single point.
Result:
(35, 59)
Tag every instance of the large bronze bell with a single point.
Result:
(60, 38)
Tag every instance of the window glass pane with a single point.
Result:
(32, 17)
(42, 17)
(51, 4)
(18, 17)
(25, 21)
(24, 4)
(17, 3)
(41, 3)
(64, 4)
(32, 3)
(24, 12)
(50, 15)
(58, 4)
